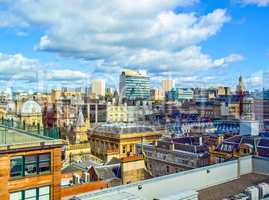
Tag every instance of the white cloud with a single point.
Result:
(11, 64)
(229, 59)
(18, 70)
(144, 33)
(259, 3)
(187, 58)
(66, 75)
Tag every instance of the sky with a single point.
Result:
(199, 43)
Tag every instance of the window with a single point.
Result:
(124, 149)
(44, 163)
(16, 166)
(29, 165)
(131, 148)
(44, 193)
(41, 193)
(30, 194)
(167, 169)
(16, 196)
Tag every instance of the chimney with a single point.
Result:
(172, 146)
(201, 141)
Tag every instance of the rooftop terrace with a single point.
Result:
(12, 139)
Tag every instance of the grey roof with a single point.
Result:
(118, 195)
(70, 168)
(122, 128)
(113, 161)
(85, 165)
(105, 172)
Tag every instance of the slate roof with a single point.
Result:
(108, 172)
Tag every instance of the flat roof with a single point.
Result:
(123, 128)
(118, 195)
(12, 139)
(233, 187)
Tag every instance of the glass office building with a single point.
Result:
(134, 85)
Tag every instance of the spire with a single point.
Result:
(241, 86)
(80, 120)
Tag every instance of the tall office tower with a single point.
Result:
(167, 85)
(98, 87)
(134, 85)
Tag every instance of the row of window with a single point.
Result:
(124, 148)
(29, 165)
(41, 193)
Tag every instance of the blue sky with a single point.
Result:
(54, 43)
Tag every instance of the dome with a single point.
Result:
(11, 107)
(30, 106)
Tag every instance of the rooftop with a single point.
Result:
(123, 128)
(211, 182)
(233, 187)
(13, 139)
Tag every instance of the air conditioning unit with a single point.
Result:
(76, 179)
(252, 192)
(86, 177)
(240, 196)
(263, 190)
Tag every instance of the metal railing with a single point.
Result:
(35, 129)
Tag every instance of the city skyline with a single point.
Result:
(46, 46)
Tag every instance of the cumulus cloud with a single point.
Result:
(149, 34)
(66, 74)
(259, 3)
(110, 35)
(11, 64)
(17, 68)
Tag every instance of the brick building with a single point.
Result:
(30, 166)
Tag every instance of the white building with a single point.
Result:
(168, 84)
(98, 87)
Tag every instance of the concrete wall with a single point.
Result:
(189, 180)
(246, 165)
(260, 165)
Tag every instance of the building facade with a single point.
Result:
(30, 167)
(175, 155)
(168, 85)
(120, 140)
(134, 85)
(98, 87)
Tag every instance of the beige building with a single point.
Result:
(120, 140)
(55, 95)
(98, 87)
(167, 85)
(117, 113)
(157, 94)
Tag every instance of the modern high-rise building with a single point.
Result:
(98, 87)
(167, 85)
(134, 85)
(157, 94)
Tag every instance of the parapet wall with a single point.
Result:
(195, 179)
